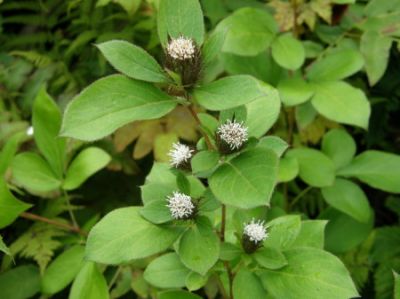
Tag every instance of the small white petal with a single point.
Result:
(180, 205)
(256, 231)
(29, 131)
(181, 48)
(233, 133)
(179, 154)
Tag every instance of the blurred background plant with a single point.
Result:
(48, 48)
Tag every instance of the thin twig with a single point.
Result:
(300, 195)
(114, 278)
(68, 227)
(206, 138)
(71, 213)
(223, 220)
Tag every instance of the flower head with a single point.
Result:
(29, 131)
(181, 48)
(255, 231)
(180, 205)
(233, 133)
(180, 154)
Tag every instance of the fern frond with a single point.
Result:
(37, 59)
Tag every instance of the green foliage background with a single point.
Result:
(333, 74)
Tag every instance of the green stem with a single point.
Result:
(69, 207)
(300, 195)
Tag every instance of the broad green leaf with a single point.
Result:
(396, 285)
(249, 31)
(166, 271)
(199, 246)
(338, 145)
(311, 273)
(177, 17)
(288, 169)
(3, 247)
(294, 91)
(20, 283)
(262, 113)
(311, 234)
(85, 164)
(316, 169)
(270, 258)
(341, 102)
(89, 284)
(283, 231)
(229, 92)
(204, 161)
(10, 207)
(375, 48)
(247, 285)
(178, 295)
(132, 61)
(156, 192)
(156, 211)
(229, 251)
(62, 270)
(355, 232)
(33, 173)
(274, 143)
(195, 281)
(46, 119)
(212, 46)
(305, 115)
(348, 198)
(378, 169)
(110, 103)
(123, 235)
(130, 6)
(248, 180)
(288, 52)
(8, 151)
(336, 65)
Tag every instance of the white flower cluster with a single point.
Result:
(180, 205)
(233, 133)
(181, 48)
(256, 231)
(179, 154)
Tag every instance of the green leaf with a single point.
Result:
(288, 52)
(199, 246)
(341, 102)
(156, 212)
(246, 181)
(270, 258)
(123, 235)
(177, 17)
(294, 91)
(88, 162)
(110, 103)
(378, 169)
(375, 48)
(349, 198)
(247, 285)
(178, 295)
(249, 31)
(195, 281)
(20, 283)
(166, 271)
(3, 247)
(274, 143)
(10, 207)
(316, 169)
(229, 92)
(288, 169)
(212, 46)
(62, 271)
(311, 234)
(356, 232)
(335, 66)
(89, 284)
(338, 145)
(204, 161)
(8, 151)
(46, 119)
(229, 251)
(283, 231)
(33, 173)
(311, 273)
(262, 113)
(132, 61)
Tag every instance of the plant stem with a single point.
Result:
(223, 220)
(222, 237)
(206, 138)
(68, 227)
(300, 195)
(71, 213)
(114, 278)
